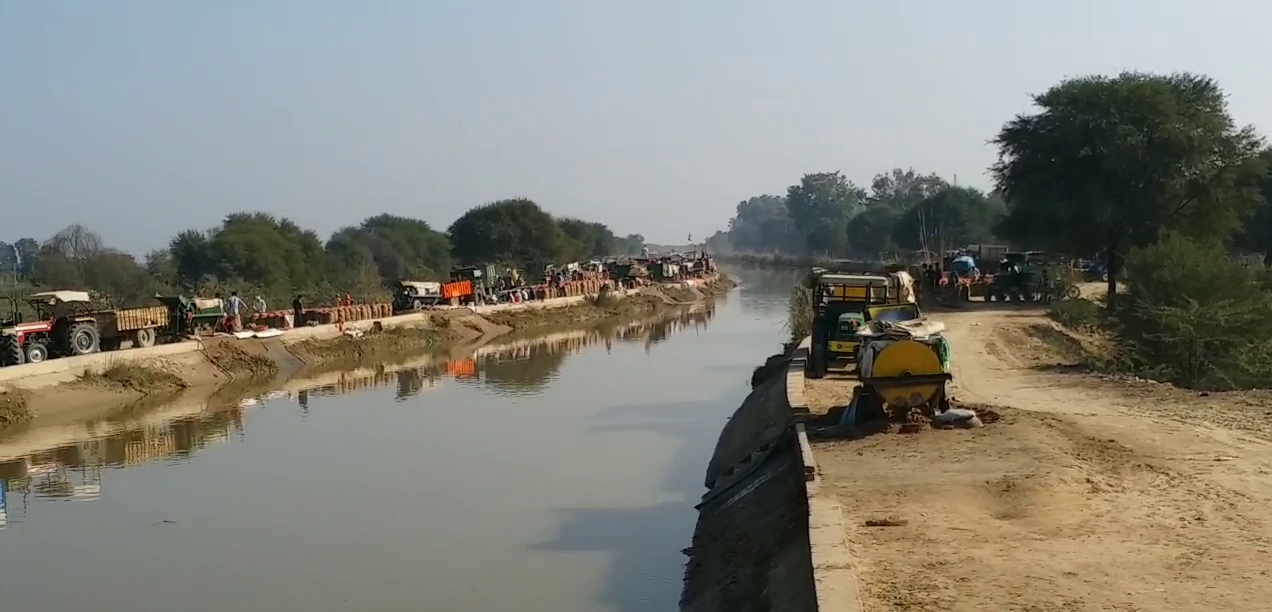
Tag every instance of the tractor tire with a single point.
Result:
(143, 338)
(10, 351)
(1072, 292)
(83, 339)
(35, 352)
(816, 363)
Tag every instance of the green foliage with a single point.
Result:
(870, 232)
(820, 207)
(632, 244)
(950, 217)
(762, 224)
(827, 216)
(257, 254)
(584, 240)
(515, 232)
(1111, 163)
(1196, 317)
(386, 248)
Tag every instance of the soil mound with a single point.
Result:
(13, 407)
(134, 376)
(236, 361)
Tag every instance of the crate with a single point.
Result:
(146, 317)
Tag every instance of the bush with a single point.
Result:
(1195, 317)
(799, 316)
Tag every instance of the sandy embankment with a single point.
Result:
(73, 389)
(1086, 493)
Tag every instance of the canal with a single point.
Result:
(554, 475)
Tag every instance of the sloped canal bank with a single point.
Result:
(558, 476)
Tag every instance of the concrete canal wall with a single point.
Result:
(57, 371)
(765, 539)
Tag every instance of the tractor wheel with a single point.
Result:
(10, 351)
(817, 362)
(1072, 292)
(83, 339)
(143, 338)
(35, 352)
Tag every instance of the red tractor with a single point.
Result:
(57, 331)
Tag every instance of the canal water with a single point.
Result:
(553, 475)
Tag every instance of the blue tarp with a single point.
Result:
(963, 264)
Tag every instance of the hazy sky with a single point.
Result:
(142, 118)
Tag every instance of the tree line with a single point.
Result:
(1148, 172)
(827, 215)
(1103, 166)
(257, 253)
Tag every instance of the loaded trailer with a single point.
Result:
(67, 324)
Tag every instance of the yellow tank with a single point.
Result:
(908, 374)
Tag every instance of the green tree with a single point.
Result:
(193, 260)
(762, 224)
(252, 248)
(28, 251)
(820, 207)
(75, 259)
(515, 231)
(632, 244)
(1109, 163)
(392, 248)
(1197, 317)
(870, 231)
(1256, 233)
(950, 217)
(586, 239)
(902, 189)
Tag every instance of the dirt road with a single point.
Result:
(1087, 494)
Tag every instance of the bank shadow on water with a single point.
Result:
(646, 541)
(519, 367)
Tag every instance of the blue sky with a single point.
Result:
(140, 118)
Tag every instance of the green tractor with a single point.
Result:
(1031, 277)
(840, 306)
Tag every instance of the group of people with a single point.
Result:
(236, 309)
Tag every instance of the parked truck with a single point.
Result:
(66, 324)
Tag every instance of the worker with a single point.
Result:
(298, 312)
(259, 305)
(348, 301)
(235, 307)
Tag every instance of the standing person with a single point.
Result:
(235, 306)
(259, 305)
(298, 312)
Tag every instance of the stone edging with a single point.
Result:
(833, 574)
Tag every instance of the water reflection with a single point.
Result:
(74, 470)
(522, 367)
(765, 292)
